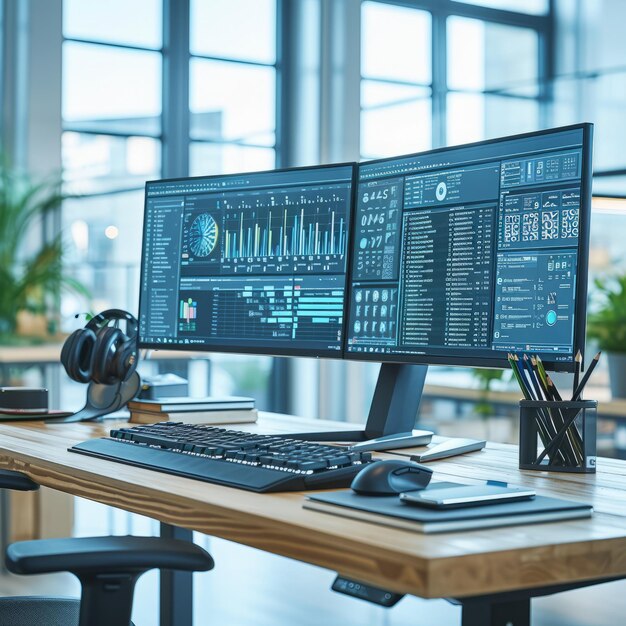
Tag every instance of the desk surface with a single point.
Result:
(446, 565)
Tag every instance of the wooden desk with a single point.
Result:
(493, 571)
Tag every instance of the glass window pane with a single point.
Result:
(232, 102)
(484, 55)
(239, 375)
(397, 129)
(610, 186)
(102, 248)
(535, 7)
(207, 159)
(606, 244)
(395, 43)
(601, 100)
(473, 117)
(237, 29)
(111, 286)
(377, 93)
(137, 23)
(99, 242)
(105, 87)
(96, 163)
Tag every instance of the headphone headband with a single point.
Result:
(97, 321)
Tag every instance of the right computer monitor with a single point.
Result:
(465, 254)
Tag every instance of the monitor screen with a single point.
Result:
(247, 263)
(462, 255)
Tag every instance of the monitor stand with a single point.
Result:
(392, 413)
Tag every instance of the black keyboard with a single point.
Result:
(261, 463)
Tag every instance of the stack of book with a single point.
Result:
(209, 410)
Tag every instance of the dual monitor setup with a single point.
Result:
(456, 256)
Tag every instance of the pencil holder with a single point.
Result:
(558, 436)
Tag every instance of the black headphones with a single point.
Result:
(100, 352)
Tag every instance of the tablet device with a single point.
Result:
(465, 496)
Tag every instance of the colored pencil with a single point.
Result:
(581, 386)
(578, 361)
(521, 377)
(517, 376)
(531, 377)
(541, 375)
(553, 389)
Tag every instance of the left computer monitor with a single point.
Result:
(249, 263)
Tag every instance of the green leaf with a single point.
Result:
(606, 322)
(35, 282)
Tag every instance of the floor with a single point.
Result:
(252, 588)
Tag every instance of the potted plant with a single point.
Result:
(606, 324)
(31, 276)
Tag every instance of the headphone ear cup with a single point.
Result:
(126, 360)
(103, 371)
(66, 351)
(77, 355)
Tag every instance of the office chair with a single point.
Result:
(107, 568)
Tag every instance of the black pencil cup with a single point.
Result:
(558, 436)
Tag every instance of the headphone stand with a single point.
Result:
(102, 400)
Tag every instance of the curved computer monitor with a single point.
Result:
(249, 263)
(465, 254)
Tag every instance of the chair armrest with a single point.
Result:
(16, 481)
(86, 556)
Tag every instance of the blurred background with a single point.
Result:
(106, 95)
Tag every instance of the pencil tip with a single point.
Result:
(598, 355)
(579, 356)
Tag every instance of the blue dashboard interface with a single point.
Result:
(250, 263)
(469, 252)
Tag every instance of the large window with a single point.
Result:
(233, 86)
(113, 126)
(117, 128)
(112, 94)
(396, 96)
(492, 79)
(441, 73)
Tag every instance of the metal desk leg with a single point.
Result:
(485, 613)
(176, 587)
(512, 608)
(4, 527)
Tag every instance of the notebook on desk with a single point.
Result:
(390, 511)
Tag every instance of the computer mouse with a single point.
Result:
(389, 478)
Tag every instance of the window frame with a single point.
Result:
(440, 11)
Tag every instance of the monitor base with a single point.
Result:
(392, 413)
(362, 443)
